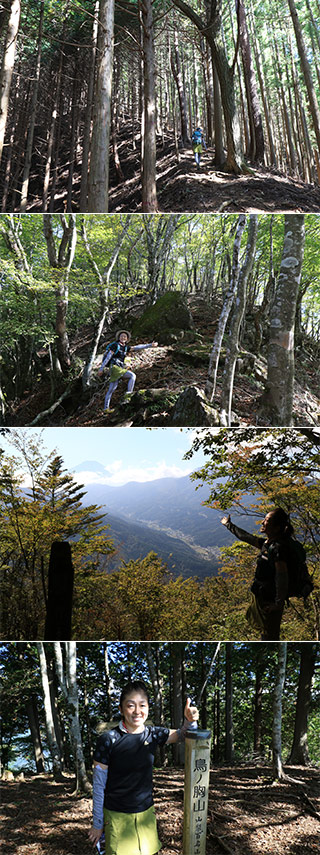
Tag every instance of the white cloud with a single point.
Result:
(122, 476)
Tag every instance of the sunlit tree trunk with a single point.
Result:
(52, 741)
(257, 716)
(238, 309)
(277, 712)
(229, 752)
(7, 66)
(280, 379)
(99, 157)
(68, 685)
(33, 110)
(222, 322)
(148, 175)
(88, 118)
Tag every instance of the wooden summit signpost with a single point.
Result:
(196, 791)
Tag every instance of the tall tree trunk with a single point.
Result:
(32, 713)
(68, 685)
(263, 90)
(277, 712)
(257, 716)
(33, 110)
(238, 309)
(291, 156)
(229, 298)
(299, 754)
(177, 75)
(99, 158)
(7, 66)
(216, 728)
(212, 30)
(278, 398)
(104, 281)
(63, 260)
(313, 104)
(217, 113)
(256, 151)
(177, 655)
(108, 681)
(52, 741)
(51, 135)
(88, 119)
(148, 175)
(229, 752)
(74, 125)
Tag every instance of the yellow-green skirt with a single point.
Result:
(131, 833)
(116, 372)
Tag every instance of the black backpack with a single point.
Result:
(300, 583)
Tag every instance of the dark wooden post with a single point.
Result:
(60, 589)
(196, 791)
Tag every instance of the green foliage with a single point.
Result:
(195, 261)
(253, 666)
(40, 503)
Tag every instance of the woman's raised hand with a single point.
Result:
(190, 713)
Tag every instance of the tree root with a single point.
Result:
(53, 407)
(222, 843)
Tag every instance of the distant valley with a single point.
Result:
(165, 516)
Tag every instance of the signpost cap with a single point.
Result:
(198, 734)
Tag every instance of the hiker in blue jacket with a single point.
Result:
(198, 142)
(114, 357)
(123, 806)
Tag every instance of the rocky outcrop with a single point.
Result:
(193, 410)
(166, 321)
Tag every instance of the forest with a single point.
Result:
(230, 302)
(259, 701)
(246, 470)
(100, 98)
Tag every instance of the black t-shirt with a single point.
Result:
(265, 571)
(130, 758)
(120, 352)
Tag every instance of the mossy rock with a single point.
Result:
(192, 409)
(166, 321)
(154, 400)
(196, 355)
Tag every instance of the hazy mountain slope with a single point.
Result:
(167, 515)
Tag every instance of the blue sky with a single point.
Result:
(124, 454)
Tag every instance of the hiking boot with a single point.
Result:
(108, 410)
(127, 398)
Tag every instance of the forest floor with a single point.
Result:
(248, 813)
(181, 187)
(169, 369)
